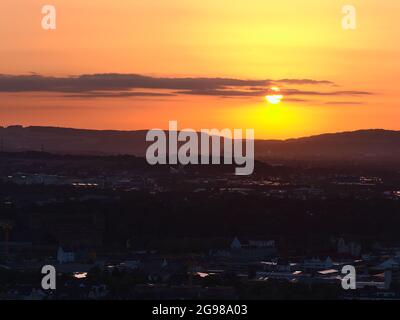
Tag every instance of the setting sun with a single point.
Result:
(275, 97)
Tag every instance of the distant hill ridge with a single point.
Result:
(369, 144)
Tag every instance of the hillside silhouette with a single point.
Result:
(361, 145)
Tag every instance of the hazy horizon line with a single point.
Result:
(197, 131)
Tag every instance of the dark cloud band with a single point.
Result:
(125, 85)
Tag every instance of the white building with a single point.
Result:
(64, 256)
(353, 248)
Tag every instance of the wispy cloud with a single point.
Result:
(115, 85)
(344, 103)
(296, 92)
(96, 94)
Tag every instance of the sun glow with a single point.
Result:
(278, 121)
(274, 97)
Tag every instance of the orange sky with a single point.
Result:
(246, 40)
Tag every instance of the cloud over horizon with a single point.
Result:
(112, 85)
